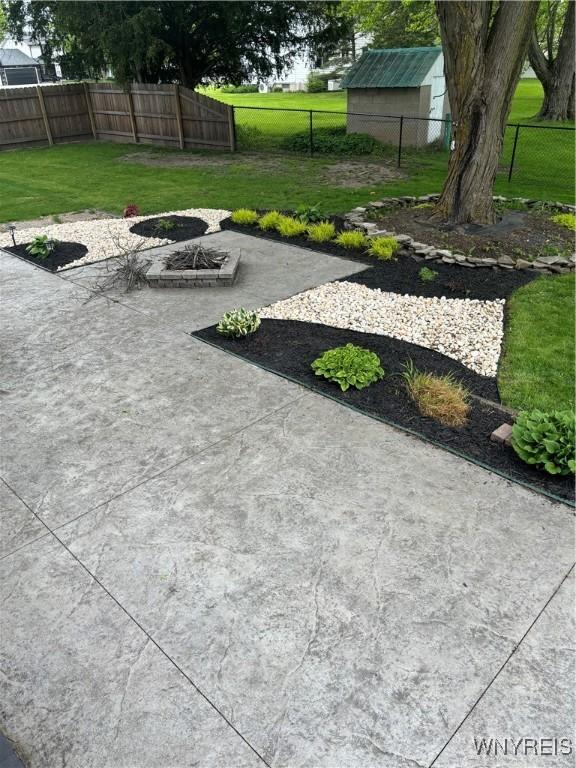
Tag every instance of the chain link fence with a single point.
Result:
(530, 152)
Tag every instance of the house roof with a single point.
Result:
(391, 68)
(12, 57)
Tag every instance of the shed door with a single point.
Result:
(20, 75)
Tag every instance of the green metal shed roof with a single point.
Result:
(391, 68)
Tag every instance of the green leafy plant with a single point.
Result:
(383, 248)
(290, 227)
(427, 275)
(238, 323)
(244, 216)
(349, 366)
(309, 213)
(546, 440)
(332, 141)
(163, 226)
(351, 238)
(42, 246)
(269, 220)
(567, 220)
(442, 398)
(321, 232)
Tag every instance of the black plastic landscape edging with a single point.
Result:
(402, 428)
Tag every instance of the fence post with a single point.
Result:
(44, 115)
(311, 136)
(178, 109)
(90, 111)
(131, 113)
(513, 152)
(400, 140)
(232, 127)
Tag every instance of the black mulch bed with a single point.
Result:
(64, 253)
(452, 281)
(302, 242)
(186, 228)
(287, 347)
(400, 275)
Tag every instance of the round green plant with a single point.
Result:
(567, 220)
(238, 323)
(290, 227)
(321, 232)
(270, 220)
(383, 248)
(546, 440)
(349, 366)
(42, 246)
(244, 216)
(351, 238)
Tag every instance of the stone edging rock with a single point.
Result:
(421, 251)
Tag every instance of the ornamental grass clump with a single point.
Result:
(567, 220)
(238, 323)
(289, 227)
(321, 232)
(269, 220)
(349, 366)
(546, 440)
(383, 248)
(441, 398)
(351, 238)
(244, 216)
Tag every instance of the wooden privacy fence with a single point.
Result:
(170, 115)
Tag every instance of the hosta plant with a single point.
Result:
(383, 248)
(290, 227)
(546, 440)
(349, 366)
(270, 220)
(567, 220)
(244, 216)
(164, 225)
(351, 238)
(427, 275)
(321, 232)
(238, 323)
(309, 213)
(42, 246)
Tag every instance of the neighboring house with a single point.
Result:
(17, 68)
(33, 49)
(396, 82)
(295, 78)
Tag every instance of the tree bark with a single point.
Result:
(556, 74)
(483, 57)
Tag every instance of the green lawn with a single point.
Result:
(537, 367)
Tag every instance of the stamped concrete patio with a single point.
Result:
(203, 564)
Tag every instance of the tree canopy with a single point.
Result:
(395, 23)
(190, 42)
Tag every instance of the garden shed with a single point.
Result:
(17, 68)
(394, 82)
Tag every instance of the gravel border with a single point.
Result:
(99, 235)
(467, 330)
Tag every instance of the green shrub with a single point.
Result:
(321, 232)
(270, 220)
(349, 366)
(42, 246)
(249, 136)
(316, 83)
(290, 227)
(383, 248)
(331, 141)
(238, 323)
(164, 225)
(244, 216)
(546, 440)
(309, 213)
(427, 275)
(351, 238)
(567, 220)
(239, 89)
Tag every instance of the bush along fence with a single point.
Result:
(168, 115)
(359, 219)
(529, 152)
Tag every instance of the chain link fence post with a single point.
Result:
(513, 152)
(311, 134)
(400, 140)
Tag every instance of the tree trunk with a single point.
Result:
(483, 57)
(556, 74)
